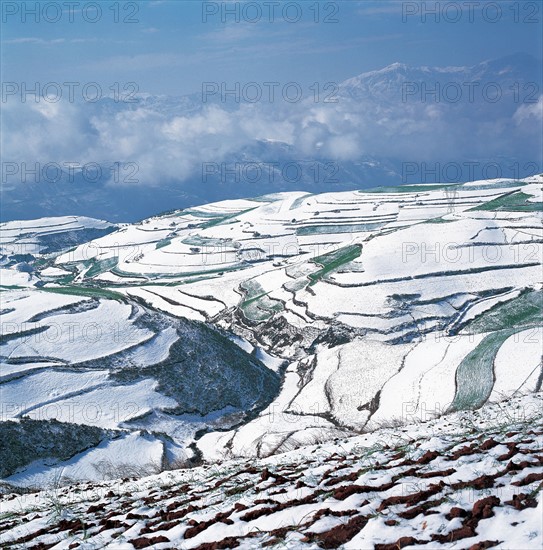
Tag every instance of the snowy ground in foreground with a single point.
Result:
(471, 479)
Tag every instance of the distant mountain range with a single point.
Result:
(161, 152)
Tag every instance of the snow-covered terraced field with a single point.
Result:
(468, 480)
(36, 237)
(134, 375)
(378, 305)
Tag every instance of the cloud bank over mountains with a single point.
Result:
(380, 119)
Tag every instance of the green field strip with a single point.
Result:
(257, 305)
(515, 201)
(333, 260)
(525, 310)
(331, 228)
(100, 266)
(85, 291)
(475, 374)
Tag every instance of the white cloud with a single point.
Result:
(171, 145)
(34, 40)
(530, 112)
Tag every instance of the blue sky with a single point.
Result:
(171, 46)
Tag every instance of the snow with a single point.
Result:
(128, 453)
(425, 386)
(297, 499)
(78, 337)
(518, 363)
(25, 394)
(13, 277)
(23, 305)
(54, 272)
(369, 342)
(106, 407)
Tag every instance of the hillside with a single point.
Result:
(250, 327)
(468, 480)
